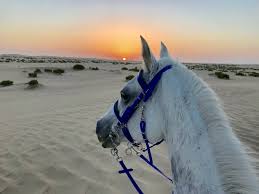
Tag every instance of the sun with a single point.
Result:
(124, 59)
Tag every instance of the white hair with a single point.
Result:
(236, 174)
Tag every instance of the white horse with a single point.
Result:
(206, 156)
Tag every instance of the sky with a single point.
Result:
(224, 31)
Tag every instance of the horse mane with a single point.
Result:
(235, 171)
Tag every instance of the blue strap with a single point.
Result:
(116, 111)
(149, 88)
(127, 134)
(143, 132)
(142, 82)
(147, 92)
(149, 152)
(148, 149)
(129, 110)
(127, 171)
(153, 145)
(153, 166)
(149, 162)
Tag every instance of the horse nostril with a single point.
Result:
(98, 127)
(101, 131)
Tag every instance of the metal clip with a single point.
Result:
(128, 151)
(140, 147)
(142, 113)
(137, 152)
(115, 154)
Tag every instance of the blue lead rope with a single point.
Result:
(148, 149)
(143, 132)
(127, 171)
(148, 161)
(153, 166)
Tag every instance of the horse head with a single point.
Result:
(106, 129)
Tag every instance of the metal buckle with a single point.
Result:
(128, 150)
(142, 112)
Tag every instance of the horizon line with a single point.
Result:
(111, 59)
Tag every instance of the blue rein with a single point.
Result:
(147, 90)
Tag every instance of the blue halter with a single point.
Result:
(147, 90)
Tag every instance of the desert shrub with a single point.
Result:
(135, 69)
(33, 82)
(78, 67)
(58, 71)
(221, 75)
(129, 77)
(6, 83)
(37, 71)
(95, 61)
(48, 70)
(254, 74)
(32, 74)
(94, 68)
(124, 68)
(240, 73)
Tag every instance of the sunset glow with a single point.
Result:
(193, 32)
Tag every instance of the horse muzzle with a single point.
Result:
(106, 136)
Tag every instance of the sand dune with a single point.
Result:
(47, 138)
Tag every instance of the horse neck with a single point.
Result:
(201, 144)
(192, 161)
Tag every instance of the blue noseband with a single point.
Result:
(147, 90)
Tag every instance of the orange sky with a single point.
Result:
(218, 32)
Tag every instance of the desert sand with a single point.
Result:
(48, 143)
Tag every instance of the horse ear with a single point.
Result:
(150, 63)
(163, 51)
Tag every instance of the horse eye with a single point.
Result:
(124, 97)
